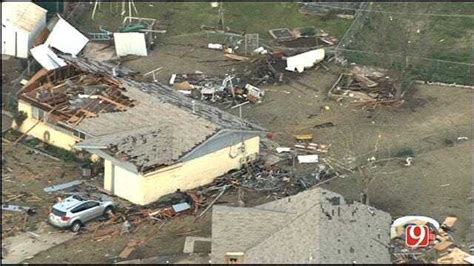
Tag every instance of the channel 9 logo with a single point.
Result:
(418, 236)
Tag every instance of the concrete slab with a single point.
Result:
(189, 243)
(27, 245)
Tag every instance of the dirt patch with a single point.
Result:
(24, 176)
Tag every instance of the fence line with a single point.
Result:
(396, 13)
(428, 69)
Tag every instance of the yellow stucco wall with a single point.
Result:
(57, 138)
(142, 190)
(108, 175)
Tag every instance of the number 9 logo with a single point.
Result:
(417, 236)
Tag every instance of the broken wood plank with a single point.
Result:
(214, 201)
(62, 186)
(236, 57)
(443, 245)
(449, 221)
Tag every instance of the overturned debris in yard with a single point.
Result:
(367, 86)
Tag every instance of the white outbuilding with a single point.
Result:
(21, 23)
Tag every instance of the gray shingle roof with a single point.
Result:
(320, 227)
(161, 127)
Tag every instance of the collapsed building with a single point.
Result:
(152, 139)
(315, 226)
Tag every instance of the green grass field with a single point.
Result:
(449, 38)
(183, 18)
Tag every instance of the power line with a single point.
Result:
(398, 13)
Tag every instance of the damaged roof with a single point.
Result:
(162, 93)
(314, 226)
(160, 127)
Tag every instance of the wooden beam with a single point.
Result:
(113, 102)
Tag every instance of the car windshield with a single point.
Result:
(58, 212)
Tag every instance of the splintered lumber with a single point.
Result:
(365, 81)
(131, 246)
(214, 201)
(119, 105)
(304, 137)
(443, 245)
(449, 221)
(236, 57)
(456, 256)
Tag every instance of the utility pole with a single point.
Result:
(221, 16)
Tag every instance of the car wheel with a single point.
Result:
(76, 226)
(107, 212)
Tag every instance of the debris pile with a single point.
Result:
(366, 85)
(303, 37)
(259, 176)
(70, 95)
(216, 89)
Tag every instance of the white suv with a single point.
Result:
(73, 212)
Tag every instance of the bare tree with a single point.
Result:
(396, 42)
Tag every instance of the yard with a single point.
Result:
(183, 18)
(431, 126)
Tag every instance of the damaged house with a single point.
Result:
(152, 139)
(316, 226)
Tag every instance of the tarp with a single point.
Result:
(305, 60)
(46, 57)
(66, 38)
(130, 43)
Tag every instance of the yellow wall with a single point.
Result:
(57, 138)
(108, 175)
(142, 190)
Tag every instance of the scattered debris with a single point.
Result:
(308, 158)
(63, 186)
(312, 147)
(455, 256)
(449, 222)
(304, 137)
(15, 208)
(283, 149)
(129, 248)
(367, 85)
(126, 227)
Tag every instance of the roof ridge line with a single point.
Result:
(285, 225)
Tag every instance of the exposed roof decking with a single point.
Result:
(166, 94)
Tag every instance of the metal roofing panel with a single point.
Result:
(181, 207)
(66, 38)
(46, 57)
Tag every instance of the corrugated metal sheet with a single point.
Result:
(66, 38)
(130, 43)
(181, 207)
(46, 57)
